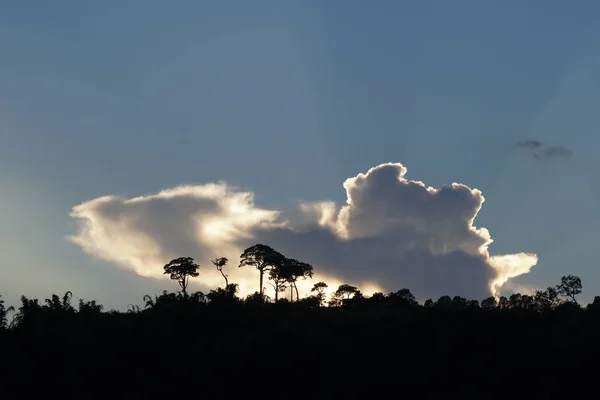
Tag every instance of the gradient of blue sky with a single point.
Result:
(288, 99)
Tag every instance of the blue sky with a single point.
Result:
(288, 99)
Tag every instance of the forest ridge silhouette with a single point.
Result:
(219, 327)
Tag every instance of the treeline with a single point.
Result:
(32, 313)
(195, 336)
(283, 273)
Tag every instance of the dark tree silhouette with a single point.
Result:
(133, 309)
(402, 298)
(220, 262)
(165, 300)
(320, 287)
(451, 332)
(198, 298)
(89, 307)
(594, 306)
(489, 303)
(311, 301)
(473, 304)
(503, 302)
(459, 303)
(29, 310)
(261, 257)
(527, 302)
(227, 296)
(3, 313)
(357, 300)
(180, 270)
(149, 301)
(58, 304)
(278, 274)
(570, 286)
(378, 299)
(346, 290)
(293, 270)
(286, 272)
(444, 302)
(546, 300)
(256, 298)
(514, 301)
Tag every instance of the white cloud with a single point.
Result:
(391, 233)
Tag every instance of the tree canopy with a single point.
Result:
(261, 257)
(180, 270)
(570, 286)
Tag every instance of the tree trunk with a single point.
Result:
(297, 295)
(226, 280)
(261, 283)
(276, 291)
(291, 293)
(183, 287)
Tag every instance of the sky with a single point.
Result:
(134, 131)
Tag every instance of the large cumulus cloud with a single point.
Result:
(391, 233)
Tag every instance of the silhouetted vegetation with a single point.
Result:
(263, 258)
(208, 334)
(220, 263)
(180, 270)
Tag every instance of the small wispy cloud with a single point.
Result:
(538, 151)
(558, 151)
(529, 144)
